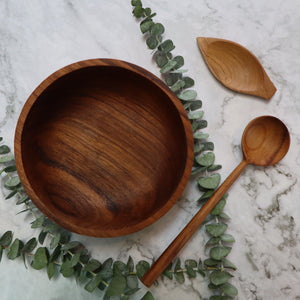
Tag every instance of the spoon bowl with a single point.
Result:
(265, 141)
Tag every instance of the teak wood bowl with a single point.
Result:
(103, 147)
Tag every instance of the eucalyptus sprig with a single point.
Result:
(204, 159)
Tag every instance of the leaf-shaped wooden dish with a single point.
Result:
(236, 67)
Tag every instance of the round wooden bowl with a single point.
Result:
(103, 147)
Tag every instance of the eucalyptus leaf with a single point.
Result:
(4, 149)
(213, 241)
(117, 285)
(42, 237)
(217, 229)
(228, 264)
(130, 264)
(211, 262)
(198, 170)
(168, 67)
(106, 271)
(38, 222)
(29, 246)
(147, 11)
(177, 85)
(132, 281)
(205, 159)
(1, 139)
(14, 250)
(70, 245)
(120, 265)
(1, 252)
(210, 182)
(166, 46)
(171, 78)
(12, 183)
(224, 216)
(190, 264)
(6, 158)
(168, 272)
(189, 82)
(148, 296)
(162, 58)
(9, 169)
(75, 259)
(40, 259)
(229, 289)
(219, 277)
(65, 237)
(196, 104)
(138, 11)
(93, 283)
(50, 270)
(218, 208)
(55, 240)
(198, 135)
(146, 26)
(199, 124)
(22, 200)
(219, 252)
(55, 254)
(6, 239)
(131, 292)
(157, 29)
(179, 61)
(152, 42)
(136, 2)
(92, 265)
(205, 196)
(11, 194)
(67, 269)
(227, 238)
(141, 268)
(178, 273)
(187, 95)
(214, 168)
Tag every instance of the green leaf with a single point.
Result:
(229, 289)
(1, 252)
(11, 194)
(38, 222)
(166, 46)
(206, 195)
(210, 182)
(198, 135)
(168, 67)
(66, 268)
(70, 245)
(168, 272)
(198, 170)
(6, 158)
(157, 29)
(172, 78)
(228, 264)
(55, 240)
(199, 124)
(219, 277)
(190, 264)
(106, 269)
(117, 285)
(178, 273)
(6, 239)
(23, 199)
(216, 229)
(131, 292)
(195, 105)
(177, 85)
(92, 284)
(12, 183)
(42, 237)
(187, 95)
(75, 259)
(214, 168)
(14, 250)
(148, 296)
(1, 139)
(4, 149)
(50, 270)
(205, 159)
(162, 58)
(227, 238)
(146, 26)
(179, 61)
(120, 265)
(218, 208)
(132, 281)
(219, 252)
(130, 264)
(189, 82)
(147, 11)
(152, 42)
(212, 241)
(136, 2)
(194, 115)
(92, 265)
(9, 169)
(224, 216)
(40, 259)
(203, 146)
(29, 246)
(141, 268)
(138, 11)
(65, 237)
(211, 262)
(55, 254)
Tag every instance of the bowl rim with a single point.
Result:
(107, 62)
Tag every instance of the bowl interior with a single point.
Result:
(104, 150)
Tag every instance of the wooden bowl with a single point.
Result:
(103, 147)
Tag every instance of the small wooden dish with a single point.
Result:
(236, 67)
(103, 147)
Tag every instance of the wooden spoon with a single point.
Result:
(236, 67)
(265, 141)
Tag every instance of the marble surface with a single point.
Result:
(38, 37)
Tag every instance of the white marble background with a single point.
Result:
(38, 37)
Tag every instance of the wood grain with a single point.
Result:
(236, 67)
(103, 148)
(265, 141)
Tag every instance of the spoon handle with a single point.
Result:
(169, 254)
